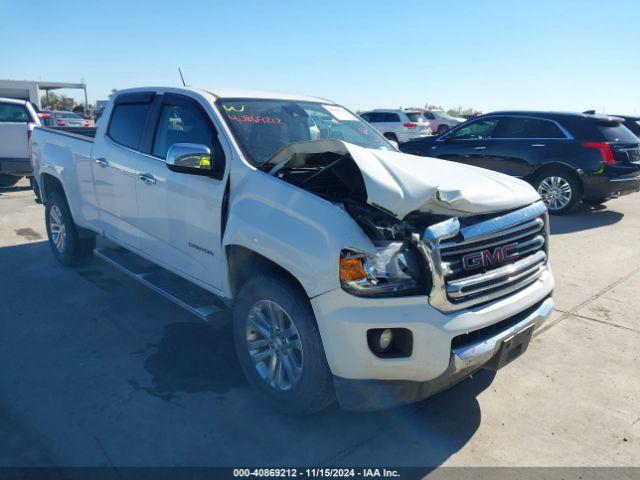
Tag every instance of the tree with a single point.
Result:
(49, 100)
(113, 90)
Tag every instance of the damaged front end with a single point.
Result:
(424, 217)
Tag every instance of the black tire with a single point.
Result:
(74, 249)
(569, 179)
(391, 136)
(442, 129)
(7, 181)
(314, 388)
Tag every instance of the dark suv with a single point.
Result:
(567, 157)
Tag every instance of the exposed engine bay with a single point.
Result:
(398, 266)
(336, 178)
(394, 197)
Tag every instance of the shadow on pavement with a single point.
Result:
(20, 188)
(585, 217)
(130, 379)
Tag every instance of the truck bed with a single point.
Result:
(83, 132)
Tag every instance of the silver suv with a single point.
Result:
(399, 125)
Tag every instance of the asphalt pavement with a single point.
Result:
(97, 370)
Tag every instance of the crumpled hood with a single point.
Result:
(402, 183)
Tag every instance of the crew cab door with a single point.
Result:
(467, 144)
(115, 156)
(179, 214)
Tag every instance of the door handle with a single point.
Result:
(538, 145)
(102, 162)
(479, 148)
(147, 178)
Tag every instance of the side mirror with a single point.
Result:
(189, 158)
(448, 139)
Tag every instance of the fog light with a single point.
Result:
(385, 339)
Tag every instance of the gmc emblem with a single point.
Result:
(487, 258)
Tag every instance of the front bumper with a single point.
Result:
(16, 166)
(464, 360)
(344, 319)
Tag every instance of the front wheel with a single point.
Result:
(66, 245)
(279, 345)
(560, 191)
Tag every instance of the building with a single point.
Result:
(30, 90)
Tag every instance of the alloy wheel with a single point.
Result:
(274, 345)
(57, 228)
(556, 192)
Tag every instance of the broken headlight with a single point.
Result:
(395, 270)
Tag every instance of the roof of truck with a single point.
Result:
(232, 93)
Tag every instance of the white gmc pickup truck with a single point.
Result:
(354, 271)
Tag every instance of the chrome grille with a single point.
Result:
(525, 231)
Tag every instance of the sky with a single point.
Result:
(486, 54)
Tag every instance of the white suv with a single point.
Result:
(440, 121)
(398, 125)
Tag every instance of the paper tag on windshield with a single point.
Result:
(339, 113)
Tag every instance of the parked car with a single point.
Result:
(353, 270)
(17, 119)
(399, 125)
(61, 118)
(632, 123)
(440, 121)
(567, 157)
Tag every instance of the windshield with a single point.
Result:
(262, 127)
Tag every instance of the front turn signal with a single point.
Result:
(351, 268)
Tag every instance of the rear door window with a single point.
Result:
(529, 128)
(14, 113)
(127, 123)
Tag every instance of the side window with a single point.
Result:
(392, 117)
(127, 123)
(11, 112)
(181, 124)
(365, 116)
(375, 117)
(521, 127)
(429, 116)
(478, 130)
(537, 128)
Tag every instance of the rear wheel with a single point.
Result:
(7, 181)
(279, 345)
(66, 245)
(442, 129)
(559, 189)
